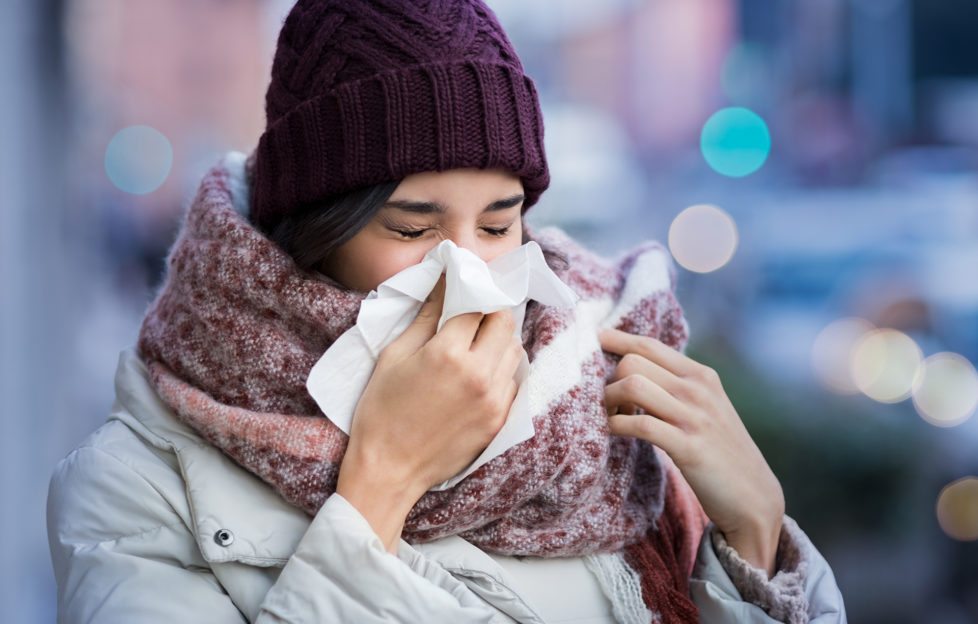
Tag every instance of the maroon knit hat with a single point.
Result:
(370, 91)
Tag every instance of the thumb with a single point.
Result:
(425, 325)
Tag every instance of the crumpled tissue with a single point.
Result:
(339, 377)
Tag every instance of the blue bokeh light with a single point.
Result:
(138, 159)
(735, 142)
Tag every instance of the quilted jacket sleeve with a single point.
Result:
(319, 585)
(726, 588)
(123, 552)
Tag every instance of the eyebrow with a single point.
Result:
(428, 207)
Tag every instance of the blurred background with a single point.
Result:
(812, 165)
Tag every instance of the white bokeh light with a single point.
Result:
(946, 392)
(957, 509)
(832, 352)
(885, 364)
(703, 238)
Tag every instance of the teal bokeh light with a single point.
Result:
(138, 159)
(735, 142)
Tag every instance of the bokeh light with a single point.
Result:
(885, 364)
(703, 238)
(957, 509)
(735, 142)
(138, 159)
(946, 392)
(832, 353)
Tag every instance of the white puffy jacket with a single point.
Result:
(148, 522)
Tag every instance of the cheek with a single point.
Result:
(394, 259)
(367, 266)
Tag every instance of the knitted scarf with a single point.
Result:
(237, 326)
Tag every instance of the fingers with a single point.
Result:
(508, 360)
(487, 336)
(459, 331)
(648, 428)
(493, 333)
(622, 343)
(624, 395)
(424, 326)
(633, 364)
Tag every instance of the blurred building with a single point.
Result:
(866, 207)
(194, 71)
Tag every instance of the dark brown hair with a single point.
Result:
(312, 233)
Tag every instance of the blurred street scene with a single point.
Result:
(811, 164)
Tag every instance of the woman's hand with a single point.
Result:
(433, 403)
(688, 415)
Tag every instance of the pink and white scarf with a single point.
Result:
(236, 328)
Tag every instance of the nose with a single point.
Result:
(467, 240)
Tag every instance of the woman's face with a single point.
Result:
(477, 209)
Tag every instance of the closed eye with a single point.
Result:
(410, 233)
(497, 231)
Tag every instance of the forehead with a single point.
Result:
(458, 184)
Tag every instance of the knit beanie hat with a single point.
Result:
(370, 91)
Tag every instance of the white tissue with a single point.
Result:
(339, 377)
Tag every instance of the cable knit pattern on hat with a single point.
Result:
(364, 92)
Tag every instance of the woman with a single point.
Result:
(218, 492)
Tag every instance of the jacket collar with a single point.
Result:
(264, 529)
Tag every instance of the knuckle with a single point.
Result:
(645, 344)
(495, 406)
(501, 400)
(440, 356)
(690, 390)
(708, 375)
(629, 363)
(478, 383)
(697, 393)
(646, 427)
(506, 320)
(633, 385)
(681, 389)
